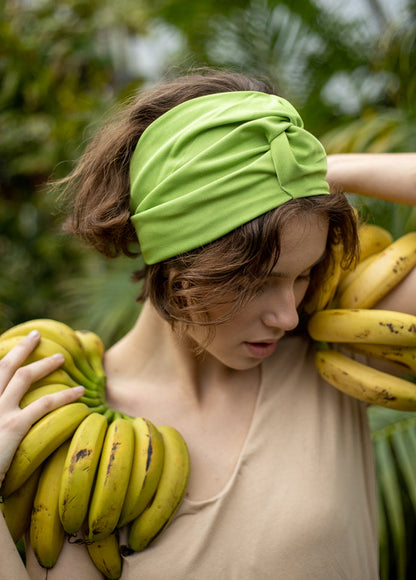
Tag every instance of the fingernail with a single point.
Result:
(58, 356)
(34, 334)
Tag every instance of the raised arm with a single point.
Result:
(388, 176)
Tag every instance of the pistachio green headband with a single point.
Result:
(216, 162)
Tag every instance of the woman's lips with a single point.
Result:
(261, 349)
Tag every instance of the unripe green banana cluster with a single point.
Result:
(342, 312)
(86, 468)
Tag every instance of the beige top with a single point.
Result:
(301, 503)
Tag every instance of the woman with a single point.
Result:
(228, 197)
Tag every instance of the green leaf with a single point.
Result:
(405, 453)
(390, 492)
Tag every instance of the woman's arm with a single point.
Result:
(388, 176)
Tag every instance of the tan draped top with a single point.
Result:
(301, 503)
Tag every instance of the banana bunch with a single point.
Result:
(373, 239)
(350, 320)
(85, 469)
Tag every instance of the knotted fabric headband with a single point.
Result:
(215, 162)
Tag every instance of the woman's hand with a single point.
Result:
(15, 380)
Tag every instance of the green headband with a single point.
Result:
(216, 162)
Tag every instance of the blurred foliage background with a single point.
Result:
(350, 68)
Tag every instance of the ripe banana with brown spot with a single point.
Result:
(381, 275)
(42, 439)
(46, 532)
(106, 556)
(79, 471)
(17, 507)
(112, 479)
(365, 383)
(146, 469)
(169, 494)
(405, 356)
(362, 325)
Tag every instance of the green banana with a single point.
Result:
(169, 494)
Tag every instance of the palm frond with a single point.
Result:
(105, 301)
(394, 438)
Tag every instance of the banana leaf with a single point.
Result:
(394, 438)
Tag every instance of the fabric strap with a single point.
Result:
(215, 162)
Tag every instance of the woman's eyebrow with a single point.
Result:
(279, 274)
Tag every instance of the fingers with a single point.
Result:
(34, 411)
(16, 357)
(16, 379)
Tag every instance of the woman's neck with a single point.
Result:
(153, 353)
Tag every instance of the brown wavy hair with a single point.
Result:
(184, 289)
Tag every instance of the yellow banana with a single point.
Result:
(56, 376)
(41, 440)
(112, 479)
(325, 292)
(364, 382)
(169, 494)
(353, 274)
(105, 554)
(58, 332)
(79, 471)
(45, 348)
(36, 394)
(146, 469)
(362, 325)
(17, 507)
(94, 349)
(404, 355)
(382, 275)
(373, 239)
(46, 532)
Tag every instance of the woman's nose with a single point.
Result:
(281, 311)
